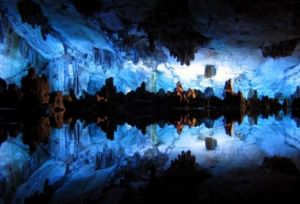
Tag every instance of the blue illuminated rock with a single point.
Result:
(80, 51)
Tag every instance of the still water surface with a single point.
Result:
(80, 159)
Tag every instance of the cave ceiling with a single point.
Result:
(183, 27)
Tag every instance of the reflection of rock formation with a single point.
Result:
(179, 127)
(280, 164)
(57, 119)
(210, 143)
(139, 108)
(234, 105)
(36, 132)
(182, 177)
(109, 126)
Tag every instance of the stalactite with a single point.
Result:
(2, 30)
(76, 79)
(56, 75)
(64, 75)
(4, 27)
(135, 56)
(7, 36)
(29, 53)
(96, 56)
(104, 58)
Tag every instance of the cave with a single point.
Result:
(119, 101)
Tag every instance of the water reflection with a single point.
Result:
(81, 152)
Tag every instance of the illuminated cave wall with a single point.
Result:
(15, 53)
(78, 53)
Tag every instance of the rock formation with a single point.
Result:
(210, 71)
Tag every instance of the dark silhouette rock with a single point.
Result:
(32, 14)
(36, 131)
(3, 135)
(227, 88)
(43, 197)
(14, 95)
(89, 7)
(35, 89)
(176, 184)
(43, 90)
(210, 143)
(108, 90)
(169, 23)
(209, 92)
(297, 93)
(56, 102)
(280, 49)
(281, 165)
(210, 71)
(3, 85)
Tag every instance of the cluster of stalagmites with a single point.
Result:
(33, 95)
(38, 109)
(34, 105)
